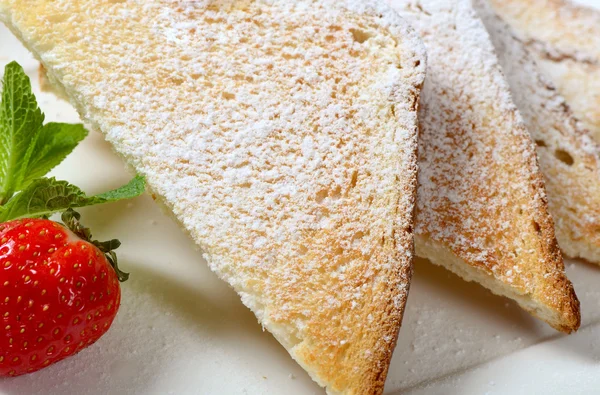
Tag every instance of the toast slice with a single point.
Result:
(286, 148)
(564, 38)
(567, 155)
(481, 206)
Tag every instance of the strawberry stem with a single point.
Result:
(71, 220)
(111, 256)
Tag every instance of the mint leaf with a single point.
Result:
(54, 142)
(134, 188)
(46, 196)
(28, 149)
(20, 121)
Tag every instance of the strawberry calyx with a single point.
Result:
(71, 219)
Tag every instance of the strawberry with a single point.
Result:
(59, 292)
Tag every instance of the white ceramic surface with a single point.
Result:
(180, 330)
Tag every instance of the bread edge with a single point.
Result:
(564, 317)
(370, 7)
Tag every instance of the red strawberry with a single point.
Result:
(58, 292)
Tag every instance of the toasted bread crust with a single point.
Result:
(325, 262)
(568, 156)
(481, 209)
(565, 39)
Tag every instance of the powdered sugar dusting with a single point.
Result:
(563, 24)
(281, 134)
(568, 156)
(565, 40)
(480, 191)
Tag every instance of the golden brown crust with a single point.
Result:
(557, 292)
(568, 157)
(372, 377)
(292, 162)
(481, 207)
(341, 368)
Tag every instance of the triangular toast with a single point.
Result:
(282, 136)
(564, 39)
(568, 157)
(481, 207)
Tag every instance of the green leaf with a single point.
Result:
(20, 122)
(27, 148)
(55, 141)
(46, 196)
(134, 188)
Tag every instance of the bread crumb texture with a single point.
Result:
(482, 208)
(567, 154)
(281, 134)
(564, 37)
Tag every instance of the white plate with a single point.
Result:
(180, 330)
